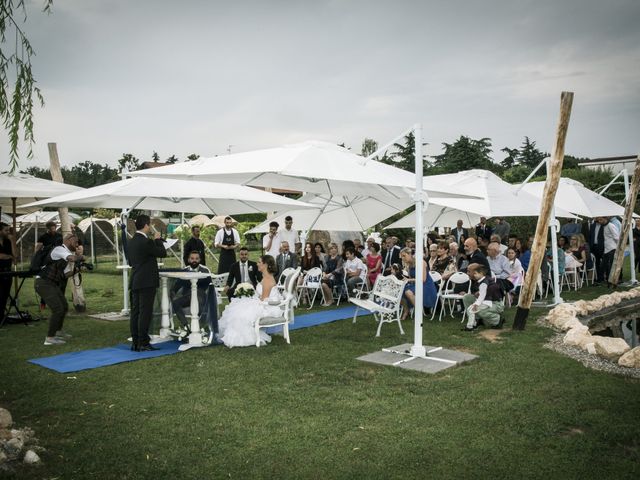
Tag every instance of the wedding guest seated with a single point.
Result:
(354, 270)
(517, 246)
(390, 255)
(474, 255)
(459, 258)
(483, 243)
(563, 243)
(374, 263)
(496, 238)
(517, 273)
(286, 259)
(242, 271)
(367, 248)
(549, 258)
(499, 265)
(308, 261)
(181, 291)
(332, 274)
(320, 253)
(444, 263)
(577, 249)
(433, 254)
(429, 292)
(487, 305)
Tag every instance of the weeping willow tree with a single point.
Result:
(18, 90)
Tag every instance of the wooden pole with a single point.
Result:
(554, 171)
(56, 176)
(618, 259)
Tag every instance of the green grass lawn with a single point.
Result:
(311, 410)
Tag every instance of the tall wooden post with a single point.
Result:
(618, 259)
(56, 176)
(554, 171)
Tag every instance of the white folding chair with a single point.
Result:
(364, 286)
(286, 305)
(283, 276)
(447, 293)
(312, 282)
(219, 282)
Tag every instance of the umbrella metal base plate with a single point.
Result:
(110, 316)
(436, 360)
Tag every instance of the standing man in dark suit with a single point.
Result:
(596, 246)
(483, 230)
(194, 244)
(390, 255)
(460, 233)
(143, 255)
(243, 271)
(286, 259)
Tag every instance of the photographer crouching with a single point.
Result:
(60, 264)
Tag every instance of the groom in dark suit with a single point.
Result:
(143, 254)
(242, 271)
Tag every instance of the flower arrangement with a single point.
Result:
(244, 290)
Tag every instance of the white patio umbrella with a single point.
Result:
(19, 188)
(172, 195)
(438, 216)
(497, 199)
(44, 217)
(576, 198)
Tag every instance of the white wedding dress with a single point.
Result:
(237, 322)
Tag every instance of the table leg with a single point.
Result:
(165, 330)
(195, 337)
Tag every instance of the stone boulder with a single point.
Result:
(13, 448)
(591, 348)
(572, 323)
(5, 418)
(610, 348)
(578, 336)
(31, 457)
(582, 307)
(630, 359)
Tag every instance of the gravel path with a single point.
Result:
(591, 361)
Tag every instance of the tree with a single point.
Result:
(18, 90)
(529, 155)
(512, 157)
(368, 147)
(155, 157)
(405, 155)
(192, 157)
(128, 163)
(171, 160)
(465, 154)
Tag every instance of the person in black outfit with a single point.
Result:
(596, 247)
(243, 271)
(194, 244)
(483, 230)
(390, 255)
(143, 253)
(181, 290)
(636, 243)
(7, 257)
(227, 240)
(49, 238)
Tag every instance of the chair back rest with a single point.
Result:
(388, 290)
(435, 276)
(285, 273)
(219, 280)
(291, 280)
(459, 277)
(313, 278)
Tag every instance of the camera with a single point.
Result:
(84, 266)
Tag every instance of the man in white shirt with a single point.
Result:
(611, 237)
(288, 234)
(227, 240)
(50, 285)
(354, 270)
(497, 239)
(500, 266)
(271, 241)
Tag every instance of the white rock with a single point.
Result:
(630, 359)
(590, 348)
(573, 323)
(582, 308)
(13, 448)
(610, 348)
(578, 337)
(31, 457)
(5, 418)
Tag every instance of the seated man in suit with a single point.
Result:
(243, 271)
(286, 259)
(181, 290)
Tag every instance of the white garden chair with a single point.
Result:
(285, 273)
(448, 296)
(286, 305)
(364, 286)
(384, 301)
(219, 282)
(436, 277)
(312, 282)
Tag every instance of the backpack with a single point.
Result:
(41, 258)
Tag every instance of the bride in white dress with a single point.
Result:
(238, 319)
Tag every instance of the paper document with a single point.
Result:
(170, 242)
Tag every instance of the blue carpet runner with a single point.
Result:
(102, 357)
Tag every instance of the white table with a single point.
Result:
(195, 337)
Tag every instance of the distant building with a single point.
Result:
(615, 164)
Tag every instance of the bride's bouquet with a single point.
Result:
(244, 290)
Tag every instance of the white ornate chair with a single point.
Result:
(312, 282)
(384, 301)
(286, 305)
(219, 281)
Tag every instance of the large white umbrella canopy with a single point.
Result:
(44, 217)
(312, 167)
(27, 188)
(339, 214)
(497, 199)
(575, 197)
(438, 216)
(174, 196)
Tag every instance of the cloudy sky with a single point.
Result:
(178, 77)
